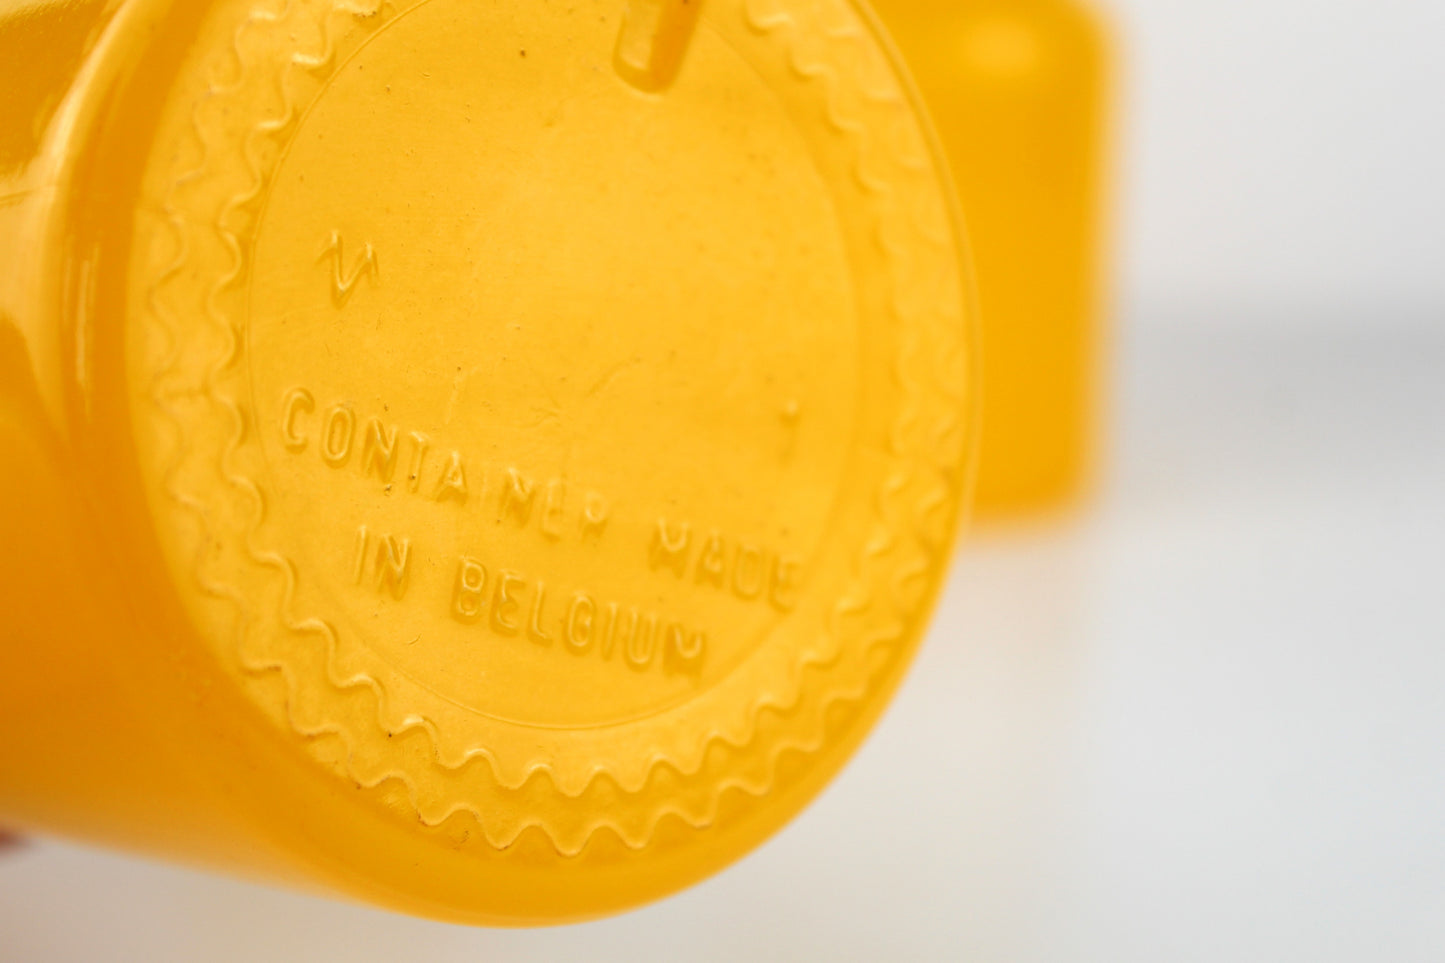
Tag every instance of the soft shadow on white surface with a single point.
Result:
(1201, 722)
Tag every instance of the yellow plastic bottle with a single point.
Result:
(493, 460)
(1017, 89)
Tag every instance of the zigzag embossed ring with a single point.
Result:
(492, 459)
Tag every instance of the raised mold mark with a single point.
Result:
(343, 282)
(514, 606)
(383, 561)
(553, 507)
(653, 41)
(736, 566)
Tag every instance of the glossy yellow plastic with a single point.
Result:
(1018, 91)
(493, 460)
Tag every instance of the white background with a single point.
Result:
(1203, 720)
(1283, 153)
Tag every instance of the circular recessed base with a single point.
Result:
(565, 463)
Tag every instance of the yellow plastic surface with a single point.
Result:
(1018, 90)
(494, 460)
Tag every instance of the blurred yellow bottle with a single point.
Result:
(494, 460)
(1017, 90)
